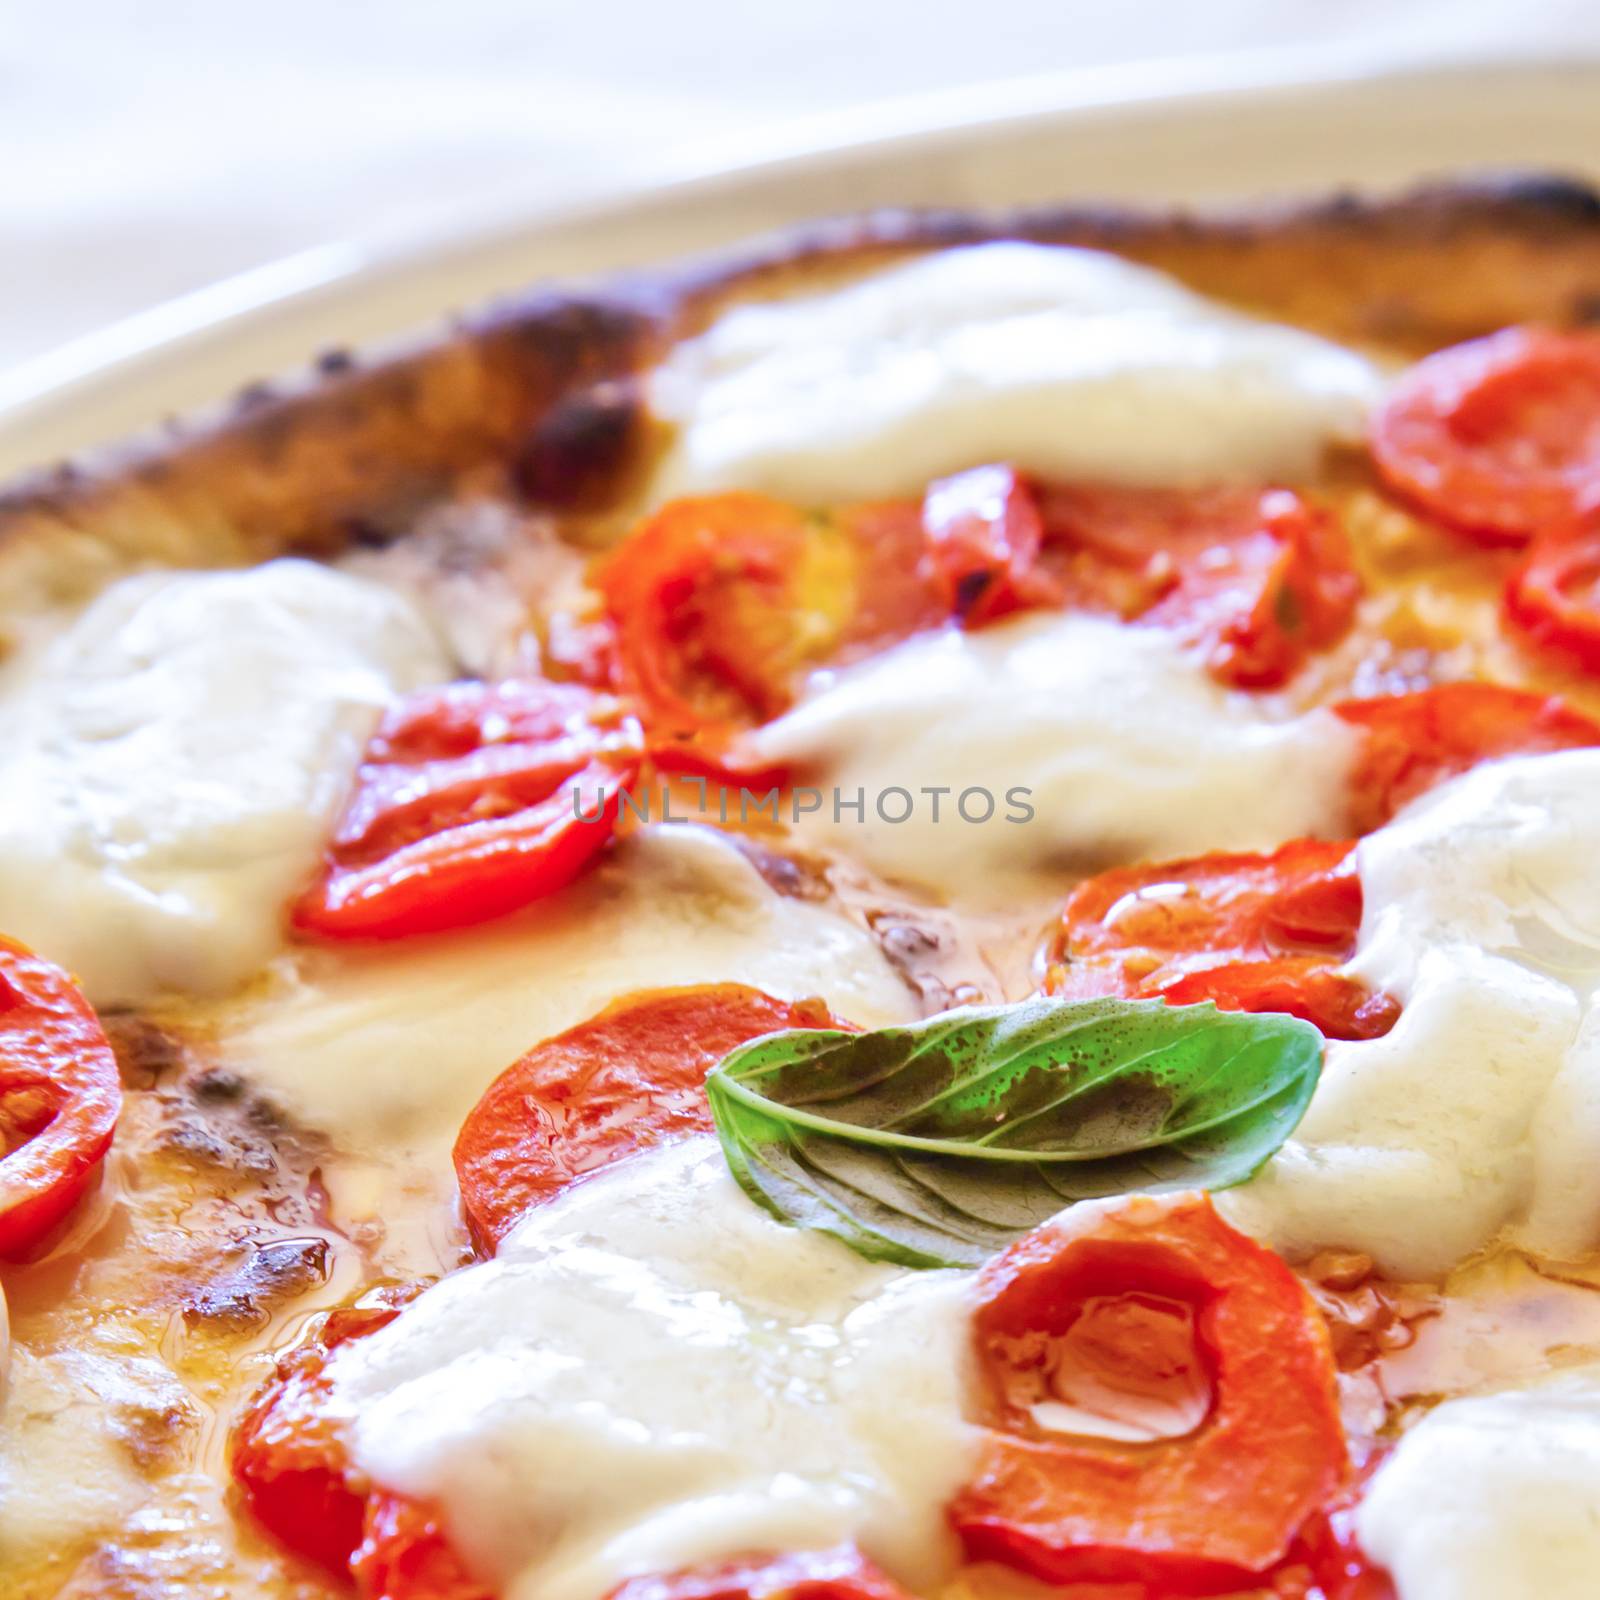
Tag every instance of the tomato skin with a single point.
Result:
(1252, 932)
(1411, 742)
(1301, 986)
(1194, 1514)
(1500, 437)
(717, 603)
(629, 1079)
(404, 1555)
(1326, 1562)
(288, 1458)
(60, 1096)
(984, 535)
(1554, 597)
(471, 802)
(839, 1574)
(287, 1452)
(1259, 578)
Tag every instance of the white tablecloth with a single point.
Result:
(150, 146)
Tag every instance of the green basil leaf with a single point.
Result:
(938, 1143)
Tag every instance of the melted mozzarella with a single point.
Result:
(1494, 1496)
(388, 1049)
(1069, 363)
(1480, 1113)
(71, 1437)
(653, 1373)
(169, 770)
(1123, 746)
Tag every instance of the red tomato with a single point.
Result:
(1499, 437)
(404, 1555)
(719, 603)
(288, 1457)
(1251, 932)
(1326, 1561)
(1413, 741)
(471, 802)
(1258, 577)
(1155, 1309)
(840, 1574)
(287, 1454)
(60, 1096)
(626, 1080)
(1554, 597)
(984, 535)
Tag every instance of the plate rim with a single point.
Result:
(697, 173)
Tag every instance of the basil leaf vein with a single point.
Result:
(938, 1143)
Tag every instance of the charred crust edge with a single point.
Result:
(538, 395)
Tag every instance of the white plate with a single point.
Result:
(1229, 128)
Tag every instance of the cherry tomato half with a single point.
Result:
(1250, 932)
(626, 1080)
(60, 1096)
(1499, 437)
(287, 1455)
(1554, 597)
(984, 534)
(405, 1555)
(472, 801)
(1410, 742)
(719, 603)
(1154, 1314)
(287, 1452)
(1258, 577)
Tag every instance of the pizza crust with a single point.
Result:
(537, 400)
(536, 408)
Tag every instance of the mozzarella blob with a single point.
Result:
(1494, 1497)
(653, 1373)
(1478, 1116)
(170, 768)
(1062, 742)
(387, 1049)
(1069, 363)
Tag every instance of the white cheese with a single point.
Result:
(387, 1049)
(1069, 363)
(1480, 1113)
(69, 1448)
(1494, 1497)
(1116, 740)
(653, 1373)
(169, 770)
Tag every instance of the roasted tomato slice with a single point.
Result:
(984, 535)
(628, 1079)
(1251, 932)
(287, 1454)
(1258, 577)
(1159, 1402)
(1499, 437)
(472, 801)
(60, 1096)
(1554, 597)
(1410, 742)
(1326, 1561)
(404, 1555)
(288, 1457)
(839, 1574)
(720, 603)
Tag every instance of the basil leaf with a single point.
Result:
(938, 1143)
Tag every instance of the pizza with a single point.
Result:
(910, 915)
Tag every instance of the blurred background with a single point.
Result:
(148, 147)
